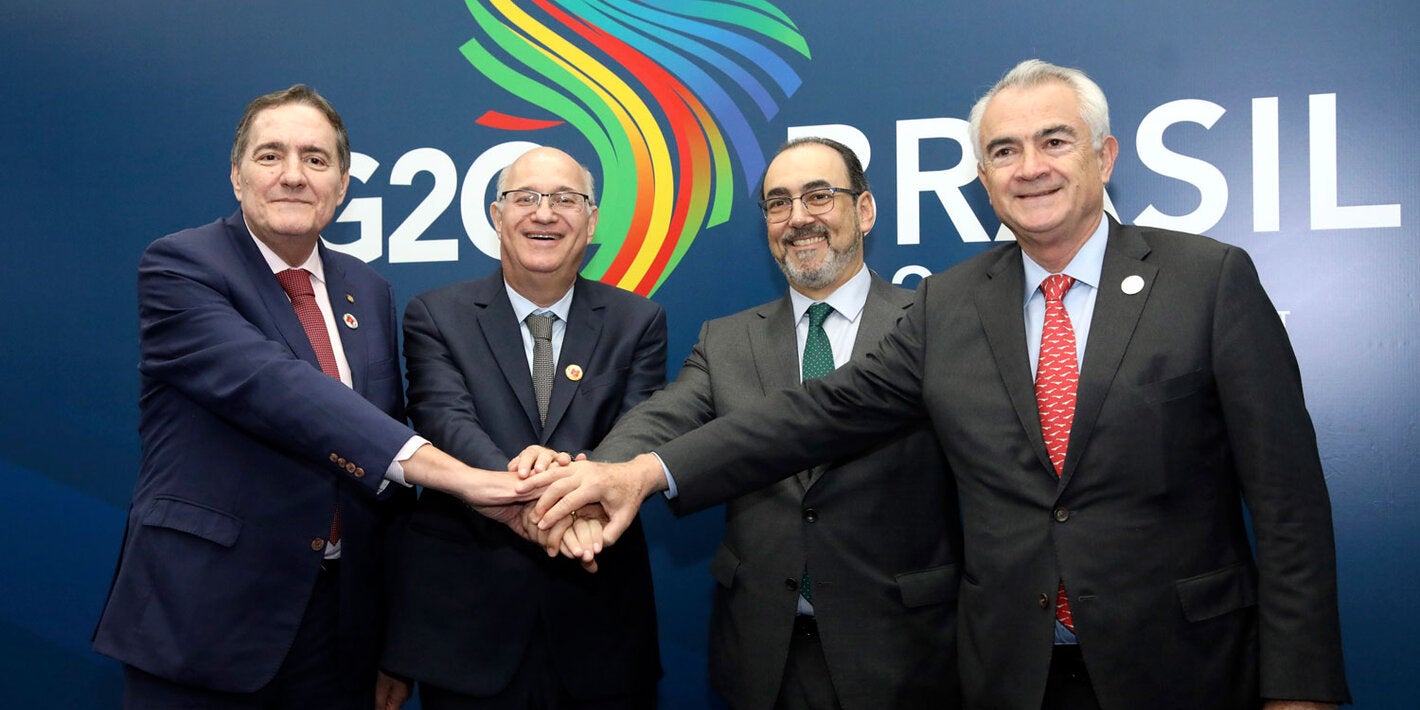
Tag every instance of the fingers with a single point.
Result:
(537, 481)
(561, 499)
(536, 459)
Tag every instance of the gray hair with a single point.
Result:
(1094, 109)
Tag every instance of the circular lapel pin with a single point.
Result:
(1132, 284)
(350, 322)
(574, 372)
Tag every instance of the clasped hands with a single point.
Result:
(585, 505)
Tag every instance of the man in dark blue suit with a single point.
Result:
(271, 421)
(483, 619)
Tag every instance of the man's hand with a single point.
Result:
(619, 488)
(390, 692)
(577, 536)
(536, 459)
(432, 468)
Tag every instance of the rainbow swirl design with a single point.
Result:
(651, 91)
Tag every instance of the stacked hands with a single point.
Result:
(581, 506)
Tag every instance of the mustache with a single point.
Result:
(808, 230)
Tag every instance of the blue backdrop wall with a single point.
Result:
(1277, 127)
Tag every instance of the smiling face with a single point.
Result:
(1045, 179)
(817, 253)
(288, 178)
(542, 247)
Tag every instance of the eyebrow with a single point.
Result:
(807, 187)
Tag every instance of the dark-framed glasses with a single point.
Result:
(560, 201)
(820, 201)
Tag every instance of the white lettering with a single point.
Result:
(1326, 214)
(1212, 186)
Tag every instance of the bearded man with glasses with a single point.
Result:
(484, 618)
(836, 586)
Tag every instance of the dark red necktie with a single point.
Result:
(1057, 377)
(297, 283)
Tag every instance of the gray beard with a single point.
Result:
(826, 273)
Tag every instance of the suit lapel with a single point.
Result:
(503, 336)
(353, 341)
(883, 308)
(1115, 317)
(264, 283)
(1000, 306)
(584, 329)
(773, 344)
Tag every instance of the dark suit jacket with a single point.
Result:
(1189, 399)
(247, 447)
(469, 592)
(879, 530)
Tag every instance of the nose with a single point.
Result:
(799, 213)
(1032, 164)
(293, 171)
(544, 212)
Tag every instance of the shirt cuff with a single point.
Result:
(671, 491)
(396, 472)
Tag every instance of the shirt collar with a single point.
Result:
(522, 306)
(312, 263)
(847, 300)
(1085, 267)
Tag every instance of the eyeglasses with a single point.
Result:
(816, 202)
(560, 201)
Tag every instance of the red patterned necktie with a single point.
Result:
(1057, 376)
(297, 283)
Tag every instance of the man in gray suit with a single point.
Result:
(836, 587)
(1107, 560)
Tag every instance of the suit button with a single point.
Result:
(349, 467)
(334, 458)
(810, 515)
(1061, 514)
(791, 585)
(359, 472)
(1044, 601)
(317, 544)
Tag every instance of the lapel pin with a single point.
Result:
(350, 297)
(574, 372)
(1132, 284)
(350, 322)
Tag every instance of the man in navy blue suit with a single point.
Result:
(481, 618)
(275, 456)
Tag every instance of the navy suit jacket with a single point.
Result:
(1189, 401)
(879, 530)
(246, 449)
(469, 592)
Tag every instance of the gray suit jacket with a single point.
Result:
(1189, 401)
(878, 529)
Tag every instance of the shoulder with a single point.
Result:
(473, 291)
(618, 302)
(214, 244)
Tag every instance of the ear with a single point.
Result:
(1109, 151)
(592, 224)
(981, 176)
(344, 185)
(236, 182)
(867, 212)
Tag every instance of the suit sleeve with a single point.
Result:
(441, 404)
(1274, 448)
(681, 406)
(196, 339)
(792, 429)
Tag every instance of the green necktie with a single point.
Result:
(818, 361)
